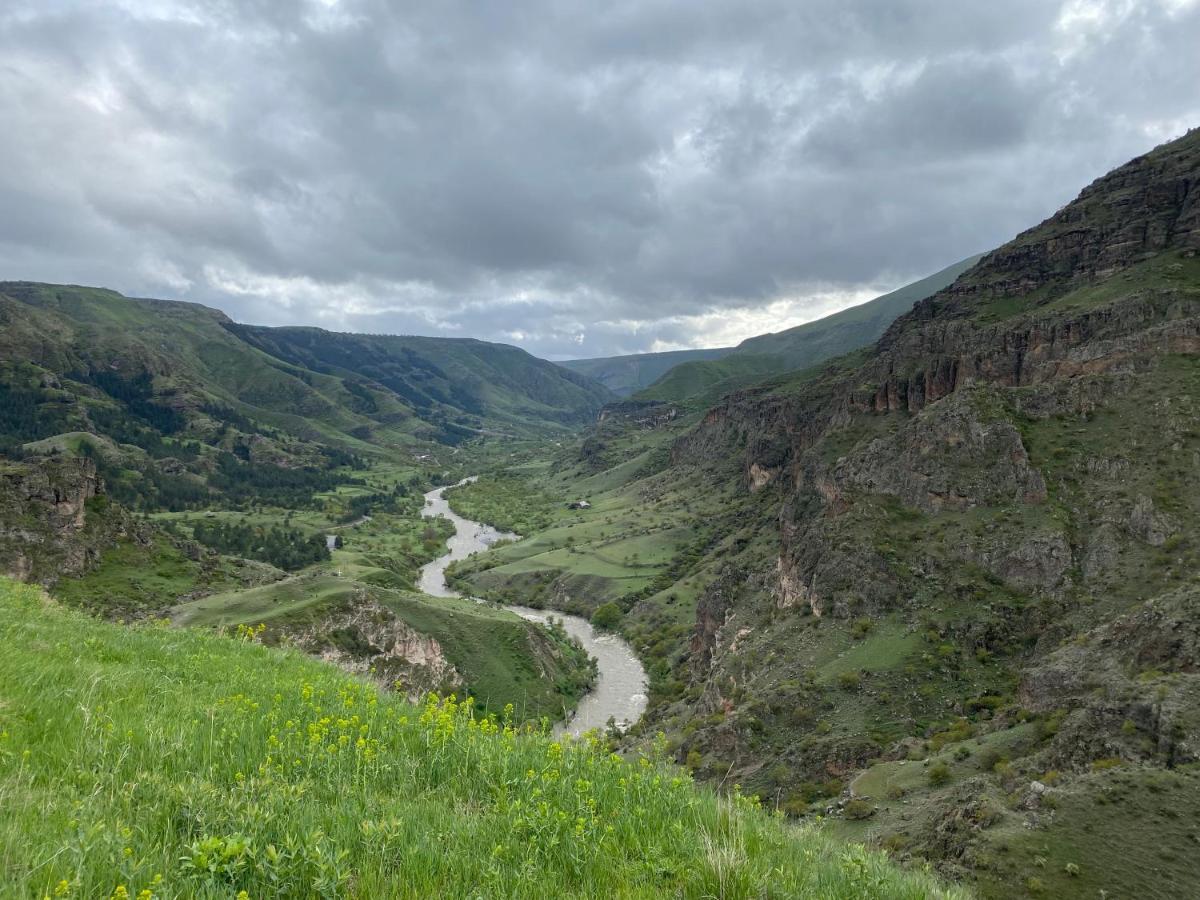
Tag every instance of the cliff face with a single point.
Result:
(1100, 305)
(1000, 496)
(47, 529)
(366, 638)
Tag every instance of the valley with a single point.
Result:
(919, 577)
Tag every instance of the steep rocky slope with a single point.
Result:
(985, 555)
(43, 518)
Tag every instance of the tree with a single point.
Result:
(607, 616)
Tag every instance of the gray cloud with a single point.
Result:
(578, 179)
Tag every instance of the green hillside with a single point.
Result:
(465, 385)
(700, 382)
(157, 763)
(811, 343)
(180, 407)
(625, 375)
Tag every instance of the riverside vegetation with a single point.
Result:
(152, 762)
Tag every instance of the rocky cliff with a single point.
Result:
(47, 529)
(984, 522)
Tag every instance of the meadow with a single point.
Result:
(152, 762)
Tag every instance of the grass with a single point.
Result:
(133, 579)
(1165, 272)
(151, 762)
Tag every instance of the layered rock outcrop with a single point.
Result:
(46, 529)
(365, 637)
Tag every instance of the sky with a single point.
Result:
(578, 179)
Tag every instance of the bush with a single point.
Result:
(607, 616)
(858, 810)
(849, 681)
(989, 758)
(861, 628)
(939, 774)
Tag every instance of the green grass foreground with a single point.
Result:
(150, 762)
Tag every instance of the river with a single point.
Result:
(620, 689)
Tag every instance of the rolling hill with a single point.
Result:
(452, 381)
(176, 402)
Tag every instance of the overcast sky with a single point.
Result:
(579, 179)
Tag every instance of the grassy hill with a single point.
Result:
(159, 763)
(489, 385)
(699, 377)
(183, 368)
(181, 408)
(700, 383)
(625, 375)
(496, 656)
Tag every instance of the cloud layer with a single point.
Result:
(578, 179)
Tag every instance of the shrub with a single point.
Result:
(989, 758)
(939, 774)
(858, 810)
(607, 616)
(849, 681)
(861, 628)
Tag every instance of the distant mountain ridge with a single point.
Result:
(193, 357)
(702, 382)
(680, 375)
(496, 382)
(625, 375)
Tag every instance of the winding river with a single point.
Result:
(620, 689)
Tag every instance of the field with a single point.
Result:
(152, 762)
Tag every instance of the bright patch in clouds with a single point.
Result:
(581, 180)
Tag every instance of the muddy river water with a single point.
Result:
(620, 689)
